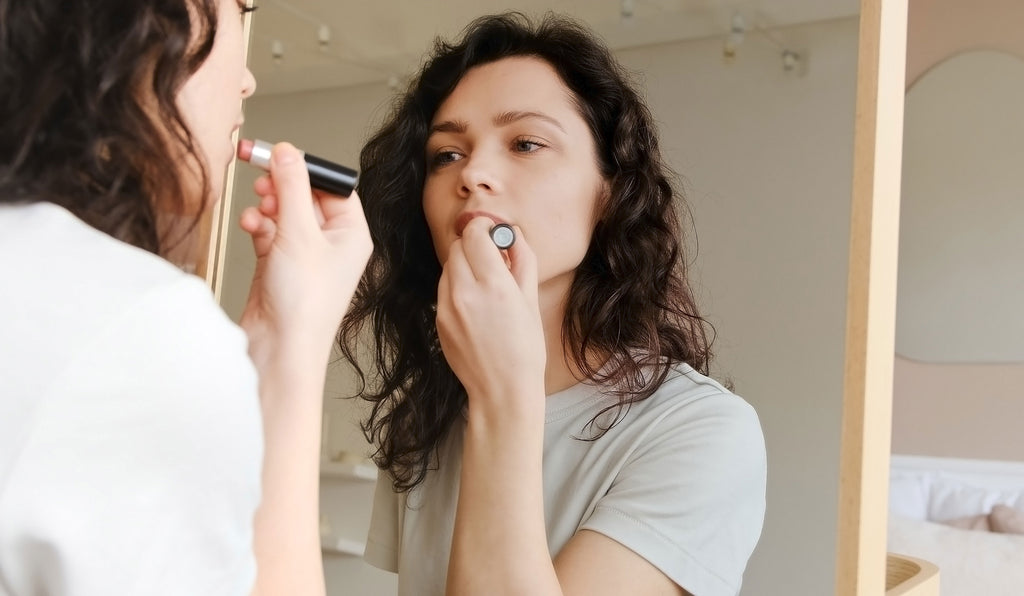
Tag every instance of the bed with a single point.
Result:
(964, 515)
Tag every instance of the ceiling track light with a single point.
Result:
(627, 8)
(277, 51)
(737, 33)
(790, 60)
(323, 37)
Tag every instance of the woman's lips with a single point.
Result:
(464, 218)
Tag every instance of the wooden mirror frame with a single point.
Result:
(871, 299)
(214, 225)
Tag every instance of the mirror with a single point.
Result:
(764, 142)
(959, 361)
(961, 247)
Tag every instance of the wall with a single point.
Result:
(332, 124)
(961, 213)
(766, 162)
(767, 159)
(959, 410)
(937, 29)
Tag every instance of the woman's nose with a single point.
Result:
(248, 84)
(479, 175)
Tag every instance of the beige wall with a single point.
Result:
(937, 29)
(766, 158)
(959, 410)
(962, 212)
(332, 124)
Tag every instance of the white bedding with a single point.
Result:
(925, 491)
(970, 562)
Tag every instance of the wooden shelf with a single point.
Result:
(341, 546)
(364, 472)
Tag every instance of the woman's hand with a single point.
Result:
(311, 249)
(489, 324)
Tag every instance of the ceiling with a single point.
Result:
(385, 40)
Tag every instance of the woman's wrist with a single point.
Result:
(507, 408)
(270, 347)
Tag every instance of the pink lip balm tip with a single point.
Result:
(245, 149)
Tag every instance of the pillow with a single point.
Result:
(950, 499)
(1006, 520)
(908, 494)
(974, 522)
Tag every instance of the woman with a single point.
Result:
(147, 444)
(551, 429)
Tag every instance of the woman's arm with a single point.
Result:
(500, 545)
(311, 250)
(490, 330)
(491, 334)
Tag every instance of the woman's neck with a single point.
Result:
(561, 371)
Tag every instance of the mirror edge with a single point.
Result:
(211, 268)
(871, 299)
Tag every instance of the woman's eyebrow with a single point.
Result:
(453, 126)
(505, 118)
(502, 119)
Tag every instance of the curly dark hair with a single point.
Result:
(88, 112)
(629, 299)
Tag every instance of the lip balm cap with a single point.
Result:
(503, 236)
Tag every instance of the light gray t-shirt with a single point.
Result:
(680, 481)
(130, 434)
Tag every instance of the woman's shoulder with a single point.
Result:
(685, 387)
(692, 417)
(104, 338)
(49, 238)
(688, 402)
(71, 290)
(65, 269)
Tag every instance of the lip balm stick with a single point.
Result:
(503, 236)
(323, 174)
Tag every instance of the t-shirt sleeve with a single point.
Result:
(382, 539)
(141, 472)
(691, 497)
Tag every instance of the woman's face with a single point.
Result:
(211, 99)
(509, 143)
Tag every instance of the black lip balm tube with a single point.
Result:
(503, 236)
(323, 174)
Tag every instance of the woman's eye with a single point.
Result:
(526, 145)
(443, 158)
(245, 9)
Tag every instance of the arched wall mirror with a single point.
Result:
(958, 389)
(771, 141)
(962, 208)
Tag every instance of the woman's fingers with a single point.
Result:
(483, 256)
(261, 228)
(488, 262)
(457, 268)
(523, 265)
(340, 211)
(288, 181)
(263, 185)
(291, 186)
(268, 205)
